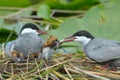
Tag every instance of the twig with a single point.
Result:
(107, 74)
(53, 12)
(10, 8)
(6, 75)
(78, 16)
(68, 11)
(37, 66)
(74, 71)
(22, 63)
(46, 77)
(7, 72)
(1, 78)
(47, 27)
(115, 72)
(56, 19)
(48, 67)
(3, 60)
(12, 72)
(56, 78)
(90, 74)
(32, 71)
(64, 11)
(32, 17)
(21, 75)
(27, 65)
(31, 20)
(5, 68)
(19, 12)
(68, 72)
(59, 75)
(38, 21)
(3, 49)
(9, 35)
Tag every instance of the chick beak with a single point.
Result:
(41, 32)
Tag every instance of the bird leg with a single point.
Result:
(105, 67)
(109, 67)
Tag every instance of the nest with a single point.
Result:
(60, 67)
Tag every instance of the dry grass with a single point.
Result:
(61, 67)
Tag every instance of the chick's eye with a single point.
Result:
(56, 40)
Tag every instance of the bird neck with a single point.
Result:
(85, 42)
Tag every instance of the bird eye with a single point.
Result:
(56, 40)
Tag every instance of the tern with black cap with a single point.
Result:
(97, 49)
(28, 42)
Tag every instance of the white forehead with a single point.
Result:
(29, 30)
(81, 38)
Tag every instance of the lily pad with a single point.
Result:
(44, 11)
(101, 21)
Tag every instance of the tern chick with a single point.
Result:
(48, 48)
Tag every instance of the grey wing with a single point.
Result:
(102, 50)
(9, 47)
(105, 54)
(106, 42)
(37, 46)
(27, 46)
(38, 43)
(21, 46)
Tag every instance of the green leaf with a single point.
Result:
(67, 29)
(103, 20)
(5, 33)
(100, 20)
(71, 4)
(44, 11)
(15, 3)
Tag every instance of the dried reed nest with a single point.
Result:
(60, 67)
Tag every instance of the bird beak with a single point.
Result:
(68, 39)
(41, 32)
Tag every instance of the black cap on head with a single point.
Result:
(29, 25)
(83, 33)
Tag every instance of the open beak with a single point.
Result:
(68, 39)
(41, 32)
